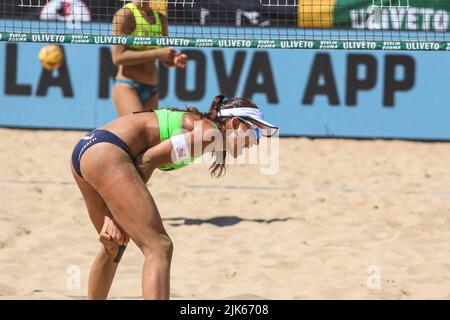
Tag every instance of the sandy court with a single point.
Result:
(336, 210)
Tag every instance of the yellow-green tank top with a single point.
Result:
(143, 28)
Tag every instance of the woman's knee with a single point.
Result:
(160, 246)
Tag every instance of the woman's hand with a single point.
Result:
(166, 55)
(180, 60)
(112, 236)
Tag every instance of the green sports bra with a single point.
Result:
(170, 123)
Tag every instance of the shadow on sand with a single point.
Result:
(224, 221)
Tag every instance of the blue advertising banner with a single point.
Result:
(309, 93)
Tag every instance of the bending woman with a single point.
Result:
(112, 164)
(136, 87)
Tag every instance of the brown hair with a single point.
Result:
(217, 168)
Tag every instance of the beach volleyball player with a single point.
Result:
(112, 164)
(136, 87)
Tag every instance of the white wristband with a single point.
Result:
(180, 148)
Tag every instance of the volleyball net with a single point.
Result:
(289, 24)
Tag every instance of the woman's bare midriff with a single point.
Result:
(146, 73)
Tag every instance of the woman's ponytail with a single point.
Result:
(216, 104)
(217, 168)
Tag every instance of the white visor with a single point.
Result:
(253, 114)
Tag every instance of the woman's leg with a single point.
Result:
(126, 99)
(103, 269)
(132, 206)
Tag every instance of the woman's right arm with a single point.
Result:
(124, 24)
(202, 139)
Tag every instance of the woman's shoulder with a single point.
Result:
(124, 15)
(124, 12)
(161, 15)
(193, 120)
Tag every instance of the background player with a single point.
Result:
(136, 87)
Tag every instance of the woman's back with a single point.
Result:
(139, 131)
(144, 130)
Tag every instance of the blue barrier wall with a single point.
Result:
(311, 93)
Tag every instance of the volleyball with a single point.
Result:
(51, 57)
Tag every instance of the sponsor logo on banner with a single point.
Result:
(266, 44)
(235, 43)
(392, 45)
(177, 42)
(17, 37)
(418, 15)
(423, 46)
(329, 44)
(81, 39)
(109, 40)
(48, 38)
(295, 44)
(143, 41)
(358, 45)
(204, 42)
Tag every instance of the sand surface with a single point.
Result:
(342, 219)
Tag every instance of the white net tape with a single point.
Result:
(183, 3)
(390, 3)
(376, 9)
(32, 3)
